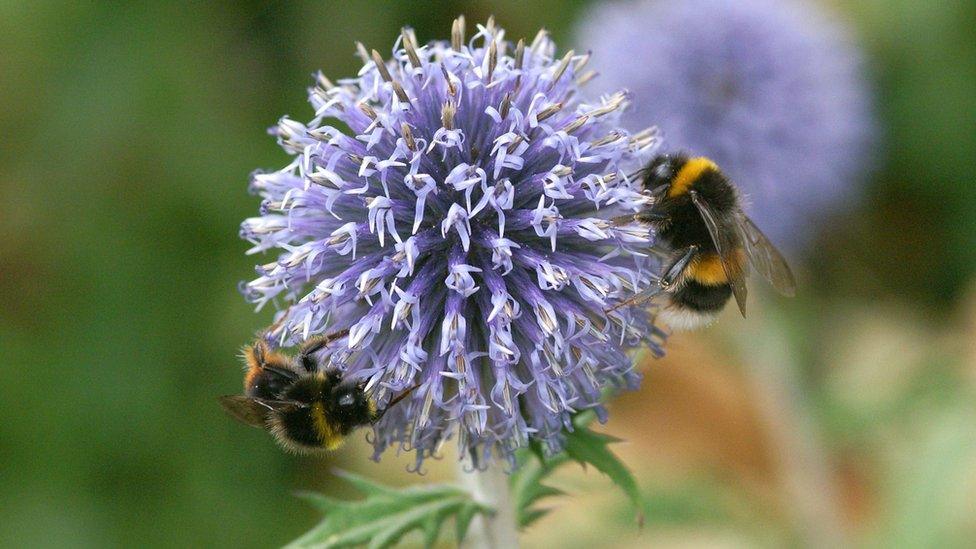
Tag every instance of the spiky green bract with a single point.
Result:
(589, 447)
(528, 488)
(386, 514)
(582, 445)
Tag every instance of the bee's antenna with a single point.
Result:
(657, 194)
(396, 399)
(638, 174)
(402, 395)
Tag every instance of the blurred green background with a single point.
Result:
(129, 130)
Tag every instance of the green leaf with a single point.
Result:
(531, 516)
(365, 485)
(527, 487)
(583, 446)
(386, 514)
(588, 447)
(463, 519)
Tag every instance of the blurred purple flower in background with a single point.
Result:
(458, 230)
(770, 89)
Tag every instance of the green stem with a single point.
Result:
(799, 451)
(490, 487)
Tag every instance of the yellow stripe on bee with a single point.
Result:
(688, 174)
(708, 269)
(331, 439)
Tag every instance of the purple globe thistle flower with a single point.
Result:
(458, 229)
(770, 89)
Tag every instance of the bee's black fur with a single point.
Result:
(684, 226)
(268, 384)
(662, 170)
(311, 388)
(701, 298)
(299, 426)
(716, 190)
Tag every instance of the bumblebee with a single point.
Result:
(697, 214)
(306, 408)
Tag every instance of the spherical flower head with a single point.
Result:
(458, 229)
(770, 89)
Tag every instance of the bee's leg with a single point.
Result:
(260, 362)
(621, 220)
(256, 356)
(649, 217)
(314, 345)
(641, 297)
(673, 272)
(644, 218)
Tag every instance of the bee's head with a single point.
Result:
(661, 172)
(351, 405)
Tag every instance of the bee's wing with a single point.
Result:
(765, 257)
(252, 411)
(725, 244)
